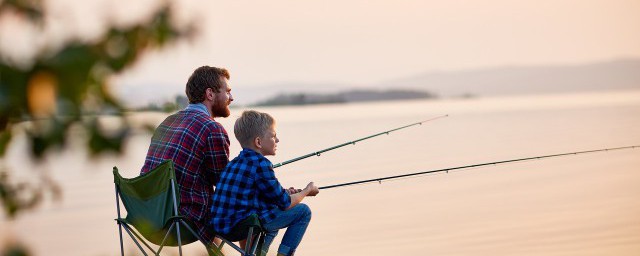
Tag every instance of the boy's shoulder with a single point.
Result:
(251, 158)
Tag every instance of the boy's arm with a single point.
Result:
(269, 188)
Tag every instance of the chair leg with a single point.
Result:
(249, 244)
(232, 245)
(165, 238)
(136, 241)
(212, 248)
(254, 246)
(119, 224)
(175, 211)
(139, 238)
(179, 239)
(121, 244)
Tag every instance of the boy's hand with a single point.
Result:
(312, 189)
(293, 190)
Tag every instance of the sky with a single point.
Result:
(357, 42)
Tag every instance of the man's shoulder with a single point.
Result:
(198, 120)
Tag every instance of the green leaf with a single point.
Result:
(5, 138)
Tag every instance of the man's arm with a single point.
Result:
(216, 154)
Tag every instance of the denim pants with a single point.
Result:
(295, 220)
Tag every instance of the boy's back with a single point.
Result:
(247, 185)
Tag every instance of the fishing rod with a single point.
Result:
(472, 166)
(317, 153)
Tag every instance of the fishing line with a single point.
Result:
(379, 180)
(318, 153)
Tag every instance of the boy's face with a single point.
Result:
(268, 142)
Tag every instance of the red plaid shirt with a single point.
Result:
(199, 148)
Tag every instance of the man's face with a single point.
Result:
(222, 100)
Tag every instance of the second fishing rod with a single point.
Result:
(317, 153)
(447, 170)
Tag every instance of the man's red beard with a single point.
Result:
(220, 109)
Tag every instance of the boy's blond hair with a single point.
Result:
(250, 125)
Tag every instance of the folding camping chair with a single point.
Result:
(152, 203)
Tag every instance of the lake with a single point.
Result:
(575, 205)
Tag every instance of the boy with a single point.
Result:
(248, 185)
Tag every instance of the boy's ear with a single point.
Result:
(257, 142)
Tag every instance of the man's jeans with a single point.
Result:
(295, 220)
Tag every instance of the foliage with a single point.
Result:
(15, 250)
(68, 86)
(180, 102)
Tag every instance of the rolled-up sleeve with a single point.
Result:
(270, 187)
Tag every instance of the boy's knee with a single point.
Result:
(305, 210)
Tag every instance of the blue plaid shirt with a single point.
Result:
(247, 185)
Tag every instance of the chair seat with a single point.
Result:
(186, 237)
(241, 230)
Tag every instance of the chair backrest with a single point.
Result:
(149, 201)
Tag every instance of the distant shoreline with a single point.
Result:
(362, 95)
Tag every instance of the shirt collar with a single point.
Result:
(250, 152)
(198, 107)
(247, 152)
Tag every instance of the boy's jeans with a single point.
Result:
(295, 220)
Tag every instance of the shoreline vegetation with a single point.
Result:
(308, 98)
(361, 95)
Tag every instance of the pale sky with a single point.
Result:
(264, 43)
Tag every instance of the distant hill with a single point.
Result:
(508, 80)
(613, 75)
(343, 97)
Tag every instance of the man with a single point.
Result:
(197, 144)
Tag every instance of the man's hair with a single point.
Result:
(250, 125)
(202, 78)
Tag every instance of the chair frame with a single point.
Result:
(252, 239)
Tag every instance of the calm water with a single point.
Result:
(576, 205)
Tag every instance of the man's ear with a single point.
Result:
(209, 94)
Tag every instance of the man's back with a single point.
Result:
(199, 148)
